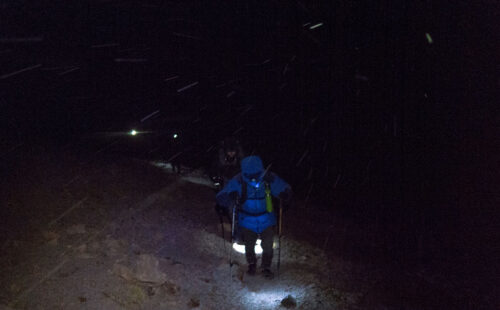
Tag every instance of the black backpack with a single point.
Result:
(268, 179)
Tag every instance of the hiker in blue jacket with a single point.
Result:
(247, 193)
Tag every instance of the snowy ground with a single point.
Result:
(129, 235)
(111, 233)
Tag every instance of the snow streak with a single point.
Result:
(19, 71)
(148, 116)
(69, 70)
(171, 78)
(187, 87)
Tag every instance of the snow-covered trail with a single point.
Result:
(120, 233)
(197, 260)
(126, 235)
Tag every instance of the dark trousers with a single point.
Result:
(267, 237)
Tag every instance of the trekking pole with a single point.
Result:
(279, 236)
(221, 218)
(232, 238)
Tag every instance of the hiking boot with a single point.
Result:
(252, 268)
(267, 273)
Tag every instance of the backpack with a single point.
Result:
(268, 179)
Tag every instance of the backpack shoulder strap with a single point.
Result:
(268, 179)
(243, 189)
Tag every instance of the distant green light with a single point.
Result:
(175, 136)
(429, 38)
(133, 132)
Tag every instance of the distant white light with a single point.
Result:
(240, 248)
(133, 132)
(316, 26)
(175, 136)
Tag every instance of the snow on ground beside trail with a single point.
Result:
(127, 235)
(301, 275)
(141, 241)
(186, 174)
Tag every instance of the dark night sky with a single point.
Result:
(413, 115)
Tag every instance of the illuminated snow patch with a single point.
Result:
(272, 297)
(195, 177)
(201, 180)
(240, 248)
(269, 297)
(166, 166)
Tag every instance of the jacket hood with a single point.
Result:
(251, 165)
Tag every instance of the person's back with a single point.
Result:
(246, 194)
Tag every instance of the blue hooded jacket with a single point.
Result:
(252, 214)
